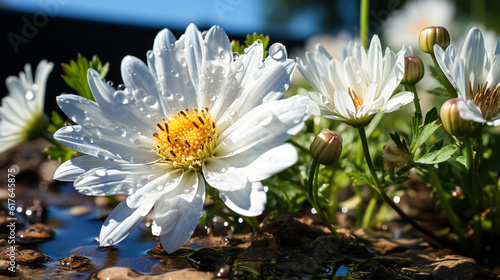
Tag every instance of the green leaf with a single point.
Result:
(56, 122)
(440, 91)
(438, 156)
(75, 74)
(249, 40)
(422, 132)
(462, 160)
(401, 144)
(59, 153)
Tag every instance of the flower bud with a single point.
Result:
(394, 156)
(326, 147)
(414, 70)
(433, 35)
(453, 123)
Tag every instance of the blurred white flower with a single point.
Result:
(195, 113)
(475, 74)
(403, 26)
(356, 87)
(21, 115)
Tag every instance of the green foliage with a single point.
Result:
(75, 74)
(422, 132)
(250, 39)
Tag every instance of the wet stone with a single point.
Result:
(26, 256)
(373, 270)
(266, 248)
(327, 248)
(79, 210)
(125, 273)
(205, 257)
(457, 267)
(36, 231)
(294, 263)
(74, 261)
(289, 232)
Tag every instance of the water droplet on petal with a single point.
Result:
(120, 131)
(110, 83)
(150, 54)
(358, 79)
(101, 172)
(88, 140)
(260, 64)
(137, 142)
(277, 52)
(166, 94)
(110, 241)
(121, 87)
(150, 100)
(225, 56)
(159, 188)
(241, 67)
(102, 155)
(120, 97)
(29, 95)
(179, 97)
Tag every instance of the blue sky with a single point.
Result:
(235, 16)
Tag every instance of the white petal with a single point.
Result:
(130, 212)
(397, 101)
(120, 105)
(177, 212)
(222, 175)
(259, 164)
(119, 179)
(453, 67)
(71, 169)
(474, 55)
(106, 144)
(249, 201)
(468, 110)
(269, 124)
(343, 104)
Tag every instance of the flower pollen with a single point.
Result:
(487, 99)
(186, 139)
(358, 102)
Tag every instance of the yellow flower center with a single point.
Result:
(487, 99)
(358, 102)
(186, 139)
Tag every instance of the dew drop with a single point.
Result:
(179, 97)
(225, 56)
(137, 142)
(277, 52)
(110, 83)
(102, 155)
(29, 95)
(121, 87)
(260, 65)
(358, 79)
(166, 93)
(212, 96)
(241, 67)
(236, 55)
(120, 131)
(110, 241)
(159, 188)
(150, 54)
(101, 172)
(183, 62)
(150, 101)
(120, 97)
(88, 140)
(69, 128)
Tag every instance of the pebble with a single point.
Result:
(74, 261)
(37, 230)
(79, 210)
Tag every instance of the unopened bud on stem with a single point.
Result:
(433, 35)
(414, 70)
(327, 147)
(453, 123)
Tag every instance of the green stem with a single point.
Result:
(452, 216)
(442, 77)
(367, 218)
(416, 100)
(469, 172)
(389, 200)
(363, 22)
(313, 192)
(282, 188)
(334, 201)
(298, 146)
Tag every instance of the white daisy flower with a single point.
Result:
(195, 113)
(475, 74)
(356, 87)
(403, 26)
(21, 115)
